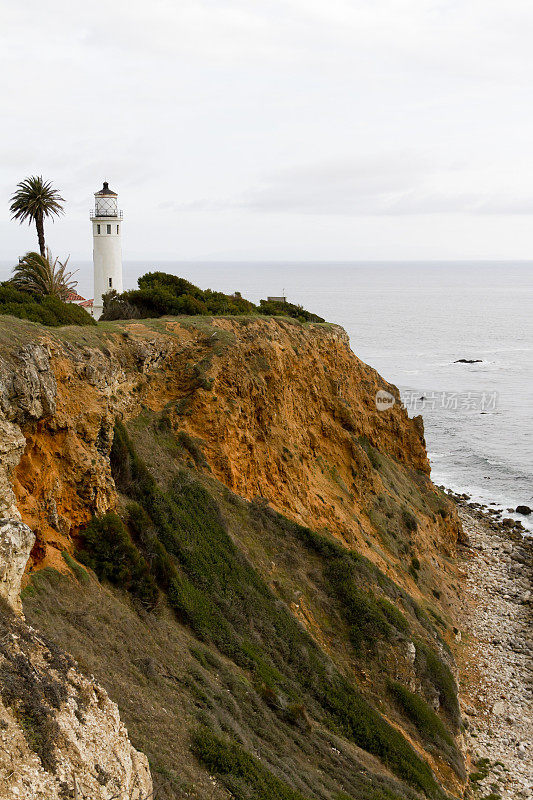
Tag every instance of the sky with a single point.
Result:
(274, 129)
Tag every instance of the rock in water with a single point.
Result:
(16, 541)
(468, 361)
(526, 510)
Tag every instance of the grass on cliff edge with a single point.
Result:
(214, 590)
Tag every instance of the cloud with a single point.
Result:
(393, 184)
(229, 121)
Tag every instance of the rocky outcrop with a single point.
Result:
(60, 734)
(525, 510)
(16, 541)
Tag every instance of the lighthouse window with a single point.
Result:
(98, 229)
(110, 283)
(109, 228)
(117, 228)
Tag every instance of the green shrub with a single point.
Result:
(428, 724)
(438, 619)
(274, 309)
(193, 446)
(439, 674)
(243, 774)
(374, 455)
(297, 715)
(409, 520)
(364, 615)
(81, 574)
(393, 615)
(107, 548)
(160, 294)
(46, 310)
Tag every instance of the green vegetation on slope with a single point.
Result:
(366, 599)
(244, 775)
(248, 779)
(421, 715)
(108, 549)
(44, 309)
(160, 294)
(441, 677)
(214, 589)
(167, 684)
(258, 683)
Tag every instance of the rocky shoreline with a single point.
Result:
(495, 654)
(496, 517)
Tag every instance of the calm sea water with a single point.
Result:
(412, 322)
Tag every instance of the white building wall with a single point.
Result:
(107, 259)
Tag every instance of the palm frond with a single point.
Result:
(35, 198)
(44, 275)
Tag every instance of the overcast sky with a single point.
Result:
(274, 129)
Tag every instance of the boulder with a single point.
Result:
(526, 510)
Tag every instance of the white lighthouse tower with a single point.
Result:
(107, 248)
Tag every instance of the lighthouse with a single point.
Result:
(107, 248)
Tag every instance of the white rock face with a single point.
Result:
(411, 652)
(89, 755)
(16, 541)
(12, 444)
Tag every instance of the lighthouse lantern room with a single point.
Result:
(107, 248)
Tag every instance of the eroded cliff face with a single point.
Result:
(277, 412)
(60, 734)
(273, 408)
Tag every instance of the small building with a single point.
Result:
(107, 246)
(276, 299)
(78, 300)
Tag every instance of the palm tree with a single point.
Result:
(34, 200)
(44, 275)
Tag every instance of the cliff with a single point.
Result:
(265, 435)
(281, 411)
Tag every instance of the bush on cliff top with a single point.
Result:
(44, 309)
(160, 294)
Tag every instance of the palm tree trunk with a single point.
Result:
(39, 224)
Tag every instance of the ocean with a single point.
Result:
(413, 322)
